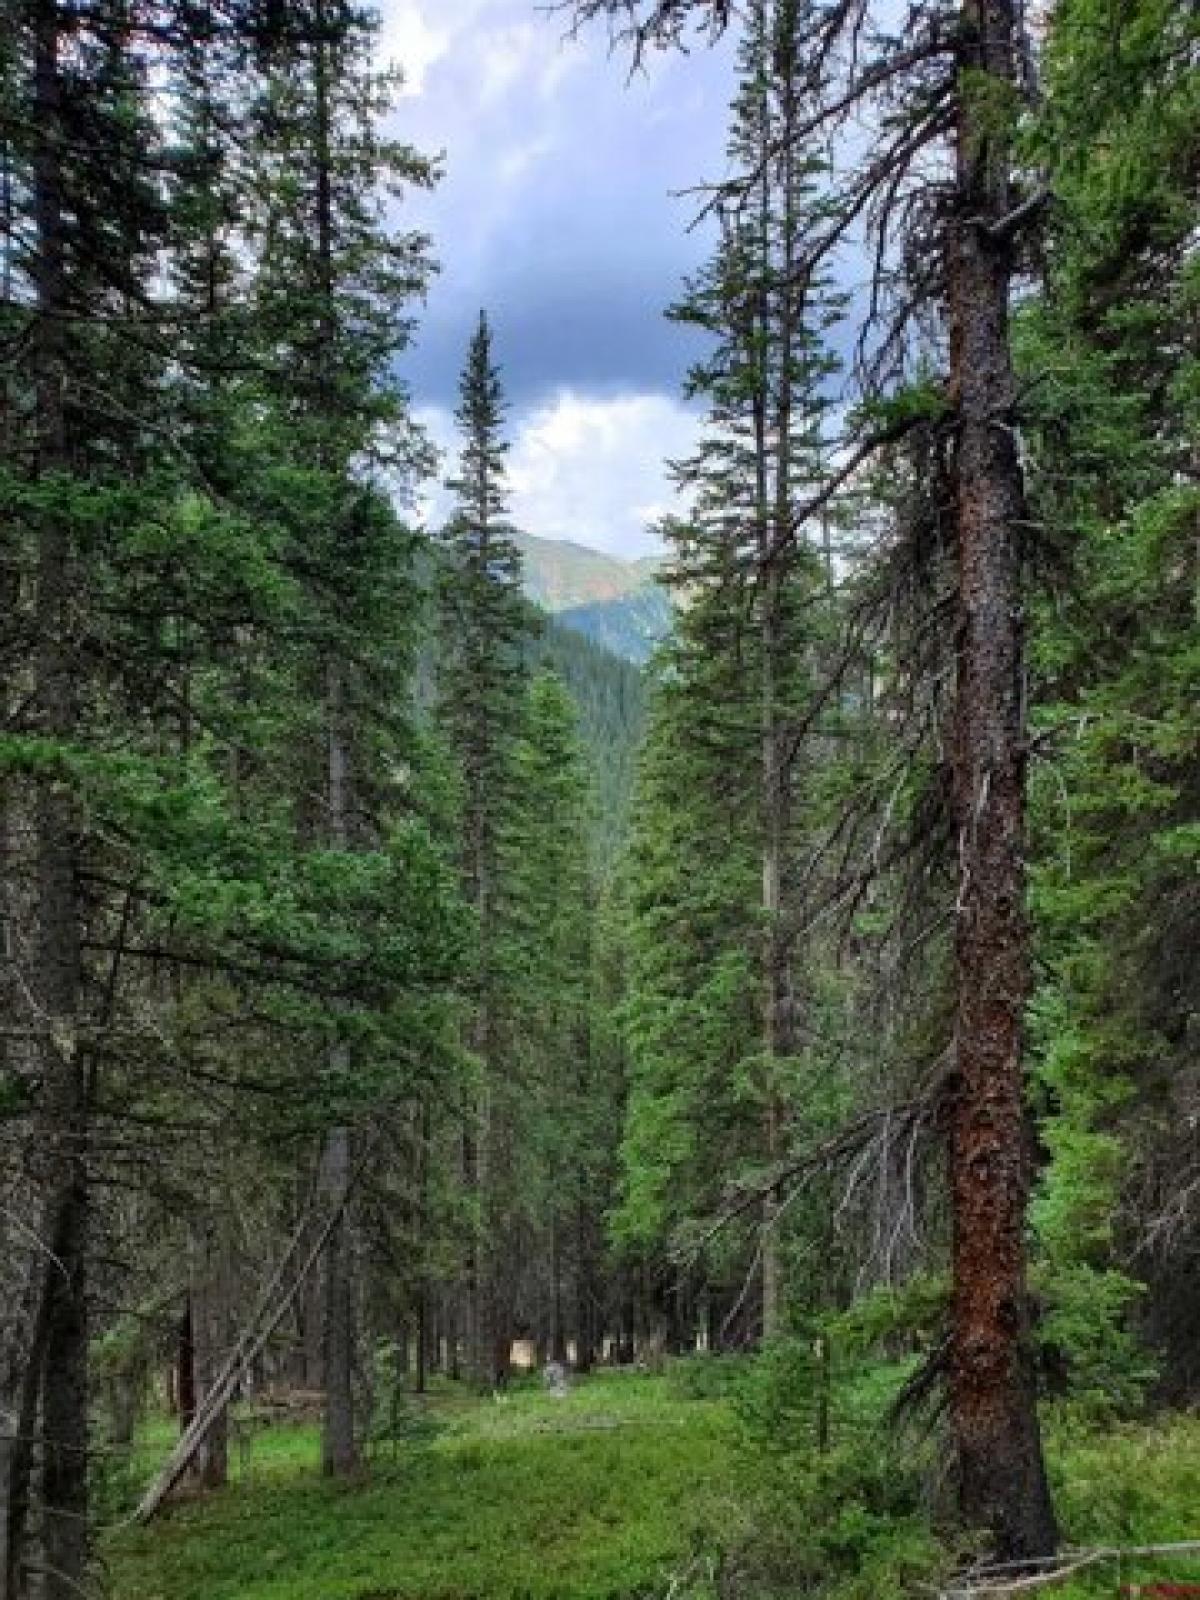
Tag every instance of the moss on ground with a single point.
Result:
(528, 1498)
(616, 1493)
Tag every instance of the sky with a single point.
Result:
(561, 213)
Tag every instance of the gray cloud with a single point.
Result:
(556, 211)
(585, 467)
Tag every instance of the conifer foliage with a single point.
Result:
(363, 1017)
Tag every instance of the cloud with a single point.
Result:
(408, 40)
(560, 208)
(591, 468)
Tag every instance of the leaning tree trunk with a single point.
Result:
(993, 1403)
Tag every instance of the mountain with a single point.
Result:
(610, 694)
(612, 601)
(560, 574)
(630, 626)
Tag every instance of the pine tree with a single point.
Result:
(485, 624)
(753, 596)
(951, 81)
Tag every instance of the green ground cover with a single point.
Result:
(624, 1490)
(527, 1498)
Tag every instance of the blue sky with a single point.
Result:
(556, 213)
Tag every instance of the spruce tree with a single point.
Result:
(548, 936)
(334, 290)
(485, 624)
(950, 83)
(754, 606)
(1114, 630)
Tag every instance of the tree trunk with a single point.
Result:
(1002, 1481)
(65, 1402)
(339, 1446)
(773, 447)
(185, 1366)
(211, 1336)
(422, 1345)
(339, 1449)
(19, 1464)
(558, 1331)
(56, 981)
(585, 1332)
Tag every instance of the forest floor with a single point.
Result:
(609, 1494)
(530, 1497)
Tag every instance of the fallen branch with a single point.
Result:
(247, 1349)
(1015, 1578)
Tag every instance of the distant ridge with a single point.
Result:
(632, 626)
(612, 601)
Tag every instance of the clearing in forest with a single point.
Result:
(529, 1497)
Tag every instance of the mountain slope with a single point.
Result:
(610, 695)
(560, 574)
(612, 601)
(630, 626)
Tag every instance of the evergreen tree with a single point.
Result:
(196, 599)
(335, 285)
(754, 601)
(948, 85)
(485, 624)
(1114, 647)
(550, 960)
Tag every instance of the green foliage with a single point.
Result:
(849, 1525)
(708, 1376)
(586, 1498)
(1115, 647)
(619, 1490)
(609, 696)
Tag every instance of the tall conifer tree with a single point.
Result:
(485, 627)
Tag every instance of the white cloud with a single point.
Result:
(515, 164)
(591, 468)
(507, 57)
(408, 40)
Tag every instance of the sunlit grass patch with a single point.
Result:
(524, 1498)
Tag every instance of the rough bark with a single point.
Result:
(993, 1404)
(211, 1335)
(339, 1447)
(56, 980)
(20, 1457)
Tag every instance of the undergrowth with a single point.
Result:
(703, 1483)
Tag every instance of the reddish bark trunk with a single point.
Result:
(1002, 1477)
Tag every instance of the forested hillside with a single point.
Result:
(617, 604)
(632, 627)
(609, 694)
(789, 1051)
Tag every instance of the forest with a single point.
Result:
(486, 1119)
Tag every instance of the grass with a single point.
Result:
(1126, 1486)
(530, 1498)
(608, 1493)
